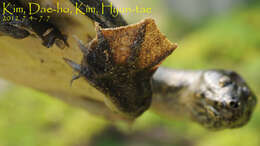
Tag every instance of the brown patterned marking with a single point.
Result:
(144, 38)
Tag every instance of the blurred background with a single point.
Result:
(211, 34)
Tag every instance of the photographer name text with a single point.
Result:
(80, 9)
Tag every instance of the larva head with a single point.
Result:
(225, 100)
